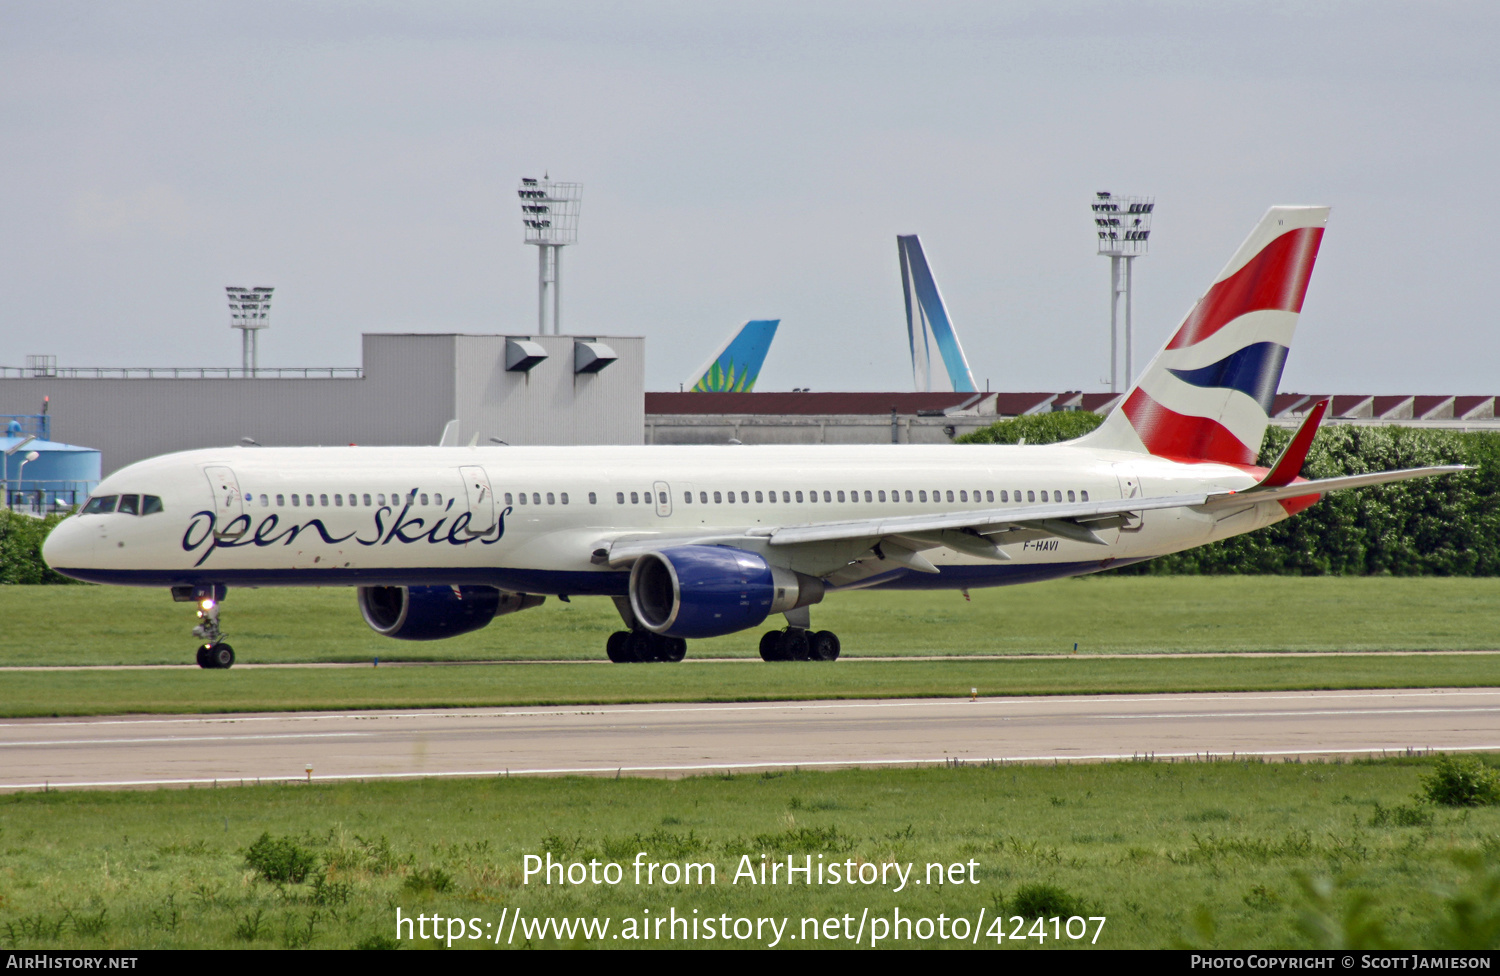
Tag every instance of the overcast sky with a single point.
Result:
(744, 161)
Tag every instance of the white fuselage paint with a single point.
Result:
(259, 538)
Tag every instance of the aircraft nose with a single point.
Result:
(68, 546)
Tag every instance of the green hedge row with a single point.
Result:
(1444, 526)
(21, 549)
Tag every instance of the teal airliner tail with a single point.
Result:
(735, 367)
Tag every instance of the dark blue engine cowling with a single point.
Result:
(701, 591)
(427, 612)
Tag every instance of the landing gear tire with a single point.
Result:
(216, 656)
(770, 646)
(617, 649)
(639, 646)
(824, 646)
(793, 645)
(671, 649)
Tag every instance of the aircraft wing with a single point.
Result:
(973, 532)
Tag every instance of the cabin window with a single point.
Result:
(799, 498)
(619, 498)
(989, 496)
(296, 500)
(536, 498)
(593, 498)
(687, 497)
(950, 496)
(508, 499)
(828, 496)
(1070, 494)
(523, 498)
(759, 498)
(841, 496)
(1044, 495)
(1084, 495)
(367, 501)
(280, 501)
(921, 496)
(150, 504)
(563, 497)
(702, 498)
(437, 498)
(812, 496)
(963, 496)
(1030, 496)
(731, 496)
(868, 497)
(323, 500)
(718, 498)
(745, 497)
(881, 494)
(786, 496)
(551, 498)
(129, 505)
(635, 498)
(338, 500)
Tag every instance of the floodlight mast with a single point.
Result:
(249, 311)
(549, 216)
(1123, 225)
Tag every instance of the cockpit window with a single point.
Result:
(101, 505)
(150, 504)
(129, 505)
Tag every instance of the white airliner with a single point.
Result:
(702, 541)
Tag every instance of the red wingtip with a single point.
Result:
(1289, 465)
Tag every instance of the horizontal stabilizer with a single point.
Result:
(1302, 489)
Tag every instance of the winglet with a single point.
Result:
(1289, 465)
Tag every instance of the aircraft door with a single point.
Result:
(1130, 487)
(229, 502)
(480, 498)
(662, 492)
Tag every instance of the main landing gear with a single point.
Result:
(639, 645)
(799, 642)
(635, 646)
(214, 653)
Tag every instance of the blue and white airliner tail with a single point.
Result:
(735, 367)
(928, 325)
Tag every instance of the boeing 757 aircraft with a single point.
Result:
(703, 541)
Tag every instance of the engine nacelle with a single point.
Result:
(709, 591)
(435, 612)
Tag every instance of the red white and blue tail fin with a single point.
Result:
(1207, 396)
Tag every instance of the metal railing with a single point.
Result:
(184, 373)
(38, 496)
(38, 425)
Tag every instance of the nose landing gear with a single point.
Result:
(214, 653)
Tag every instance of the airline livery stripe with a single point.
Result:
(1276, 278)
(1254, 370)
(1167, 433)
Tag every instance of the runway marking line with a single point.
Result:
(710, 767)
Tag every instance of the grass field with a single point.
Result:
(119, 625)
(1222, 854)
(188, 690)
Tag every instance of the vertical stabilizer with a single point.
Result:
(1207, 395)
(736, 365)
(928, 329)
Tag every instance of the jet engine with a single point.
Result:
(708, 591)
(435, 612)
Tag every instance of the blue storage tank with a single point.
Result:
(61, 476)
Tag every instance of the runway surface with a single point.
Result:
(683, 739)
